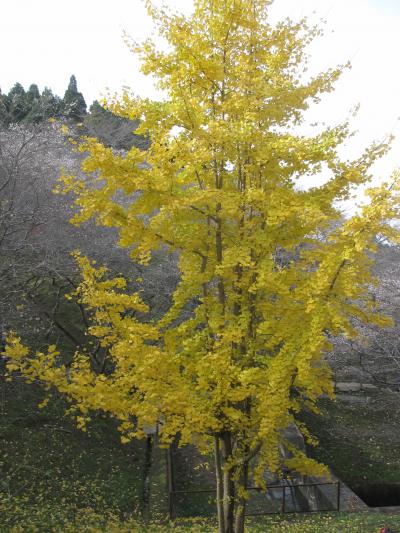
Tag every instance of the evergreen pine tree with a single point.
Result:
(35, 113)
(3, 109)
(50, 104)
(33, 92)
(18, 103)
(74, 105)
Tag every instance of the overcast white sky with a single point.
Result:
(45, 41)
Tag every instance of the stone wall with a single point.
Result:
(353, 386)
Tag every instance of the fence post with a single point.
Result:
(283, 499)
(338, 496)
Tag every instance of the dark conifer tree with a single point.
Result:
(33, 92)
(74, 105)
(50, 104)
(4, 118)
(35, 113)
(18, 103)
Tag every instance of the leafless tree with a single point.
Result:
(375, 355)
(36, 240)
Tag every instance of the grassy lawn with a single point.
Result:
(55, 478)
(45, 458)
(16, 517)
(360, 439)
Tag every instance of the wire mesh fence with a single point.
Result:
(287, 498)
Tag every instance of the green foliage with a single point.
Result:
(359, 439)
(46, 461)
(112, 130)
(3, 108)
(51, 104)
(33, 99)
(31, 107)
(21, 517)
(33, 92)
(73, 104)
(18, 106)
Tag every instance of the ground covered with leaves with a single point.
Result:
(45, 461)
(56, 478)
(358, 437)
(17, 517)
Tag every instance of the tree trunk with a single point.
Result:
(241, 502)
(220, 487)
(148, 459)
(170, 482)
(229, 485)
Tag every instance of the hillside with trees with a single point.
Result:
(30, 108)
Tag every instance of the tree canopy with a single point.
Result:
(31, 107)
(73, 104)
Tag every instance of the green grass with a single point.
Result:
(55, 478)
(17, 516)
(360, 441)
(44, 458)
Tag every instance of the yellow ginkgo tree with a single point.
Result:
(270, 271)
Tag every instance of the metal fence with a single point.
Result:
(285, 499)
